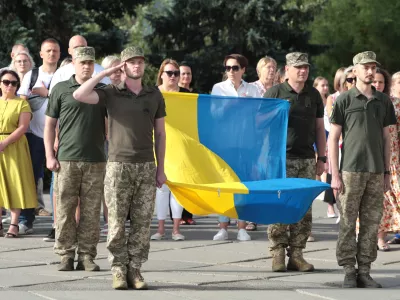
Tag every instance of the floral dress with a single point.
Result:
(390, 221)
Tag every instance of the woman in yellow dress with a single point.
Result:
(17, 186)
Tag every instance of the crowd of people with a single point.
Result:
(92, 126)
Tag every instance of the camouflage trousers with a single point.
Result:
(78, 182)
(299, 232)
(362, 197)
(129, 188)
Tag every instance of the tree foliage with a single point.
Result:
(346, 28)
(202, 32)
(32, 21)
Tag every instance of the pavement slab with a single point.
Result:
(195, 269)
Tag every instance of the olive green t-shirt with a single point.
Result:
(131, 121)
(82, 129)
(305, 108)
(362, 122)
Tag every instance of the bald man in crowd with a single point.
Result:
(64, 73)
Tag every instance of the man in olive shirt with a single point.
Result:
(306, 127)
(362, 116)
(79, 166)
(134, 113)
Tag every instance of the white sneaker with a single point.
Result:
(157, 237)
(178, 237)
(338, 219)
(23, 229)
(6, 220)
(222, 235)
(243, 235)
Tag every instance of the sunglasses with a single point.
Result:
(350, 79)
(8, 82)
(233, 68)
(175, 73)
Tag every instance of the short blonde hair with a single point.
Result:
(108, 61)
(12, 66)
(263, 62)
(395, 76)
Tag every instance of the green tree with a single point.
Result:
(345, 28)
(32, 21)
(202, 32)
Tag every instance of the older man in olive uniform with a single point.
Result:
(134, 113)
(306, 127)
(79, 166)
(362, 116)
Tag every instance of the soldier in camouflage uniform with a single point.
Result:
(306, 127)
(134, 113)
(79, 166)
(362, 116)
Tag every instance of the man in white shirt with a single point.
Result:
(15, 49)
(34, 88)
(235, 66)
(64, 73)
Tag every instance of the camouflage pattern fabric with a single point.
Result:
(365, 57)
(299, 232)
(297, 59)
(129, 188)
(131, 52)
(73, 181)
(84, 54)
(362, 197)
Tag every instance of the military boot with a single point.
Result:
(87, 264)
(67, 264)
(136, 280)
(278, 260)
(297, 261)
(119, 281)
(350, 277)
(364, 280)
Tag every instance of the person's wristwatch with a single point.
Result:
(322, 158)
(387, 173)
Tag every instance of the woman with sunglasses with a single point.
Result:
(22, 63)
(17, 185)
(167, 81)
(235, 66)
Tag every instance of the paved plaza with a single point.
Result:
(195, 269)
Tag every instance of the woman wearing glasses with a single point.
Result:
(17, 186)
(235, 66)
(22, 63)
(167, 81)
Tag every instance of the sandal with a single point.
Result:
(383, 247)
(182, 222)
(190, 221)
(251, 226)
(12, 235)
(394, 241)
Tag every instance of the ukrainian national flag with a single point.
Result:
(227, 155)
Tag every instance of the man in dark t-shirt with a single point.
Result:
(362, 116)
(79, 166)
(306, 127)
(134, 112)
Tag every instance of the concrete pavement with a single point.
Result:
(195, 269)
